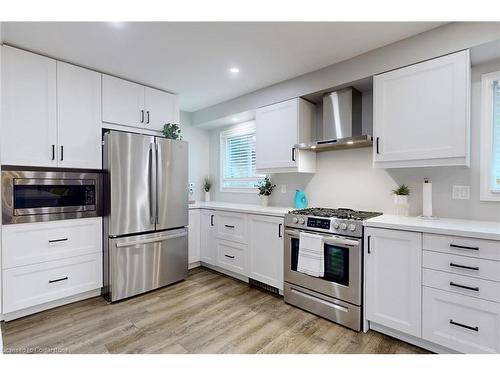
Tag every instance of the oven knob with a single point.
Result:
(352, 227)
(295, 220)
(336, 225)
(301, 220)
(343, 226)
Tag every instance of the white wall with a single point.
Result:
(199, 146)
(346, 178)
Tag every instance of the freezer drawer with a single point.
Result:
(138, 264)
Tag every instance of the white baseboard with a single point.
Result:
(49, 305)
(194, 265)
(435, 348)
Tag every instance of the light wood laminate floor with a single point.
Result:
(207, 313)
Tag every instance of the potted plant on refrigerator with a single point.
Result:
(207, 184)
(401, 194)
(265, 189)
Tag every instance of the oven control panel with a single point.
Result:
(313, 222)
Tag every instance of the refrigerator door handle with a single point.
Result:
(150, 240)
(157, 182)
(151, 185)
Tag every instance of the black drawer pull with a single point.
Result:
(464, 326)
(229, 226)
(212, 220)
(229, 256)
(58, 240)
(464, 267)
(464, 247)
(57, 280)
(474, 288)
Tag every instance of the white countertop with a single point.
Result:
(240, 207)
(457, 227)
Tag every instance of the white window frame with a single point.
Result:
(486, 137)
(236, 130)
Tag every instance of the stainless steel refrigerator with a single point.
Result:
(146, 213)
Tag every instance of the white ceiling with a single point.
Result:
(192, 59)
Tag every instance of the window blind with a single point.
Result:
(495, 172)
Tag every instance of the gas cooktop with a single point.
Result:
(336, 213)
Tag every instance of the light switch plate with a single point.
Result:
(283, 188)
(461, 192)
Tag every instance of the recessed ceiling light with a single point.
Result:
(234, 119)
(234, 70)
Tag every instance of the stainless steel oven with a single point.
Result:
(39, 195)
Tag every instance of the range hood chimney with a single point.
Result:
(341, 122)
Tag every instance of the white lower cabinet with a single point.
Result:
(462, 323)
(207, 237)
(393, 279)
(32, 285)
(194, 236)
(266, 249)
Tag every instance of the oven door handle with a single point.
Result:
(330, 239)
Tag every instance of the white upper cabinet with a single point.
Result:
(393, 279)
(422, 114)
(130, 104)
(122, 102)
(279, 127)
(161, 108)
(29, 128)
(78, 117)
(266, 249)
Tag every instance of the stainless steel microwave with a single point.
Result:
(36, 195)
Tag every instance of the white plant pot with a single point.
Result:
(207, 196)
(402, 205)
(264, 200)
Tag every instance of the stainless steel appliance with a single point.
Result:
(337, 295)
(145, 221)
(43, 195)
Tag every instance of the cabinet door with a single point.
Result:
(78, 117)
(393, 279)
(421, 113)
(194, 236)
(122, 102)
(161, 108)
(207, 245)
(29, 130)
(276, 135)
(266, 249)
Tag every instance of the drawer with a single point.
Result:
(472, 247)
(231, 256)
(479, 288)
(40, 283)
(231, 226)
(24, 244)
(462, 265)
(461, 323)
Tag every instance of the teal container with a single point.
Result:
(300, 199)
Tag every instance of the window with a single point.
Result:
(237, 147)
(490, 137)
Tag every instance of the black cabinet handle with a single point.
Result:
(62, 153)
(53, 152)
(142, 115)
(57, 280)
(58, 240)
(229, 256)
(293, 153)
(147, 117)
(212, 220)
(474, 288)
(464, 326)
(369, 248)
(229, 226)
(279, 230)
(464, 247)
(465, 267)
(377, 144)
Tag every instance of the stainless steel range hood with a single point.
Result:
(341, 123)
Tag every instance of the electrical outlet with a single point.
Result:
(283, 188)
(461, 192)
(191, 187)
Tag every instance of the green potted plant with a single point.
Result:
(207, 184)
(265, 189)
(401, 194)
(172, 131)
